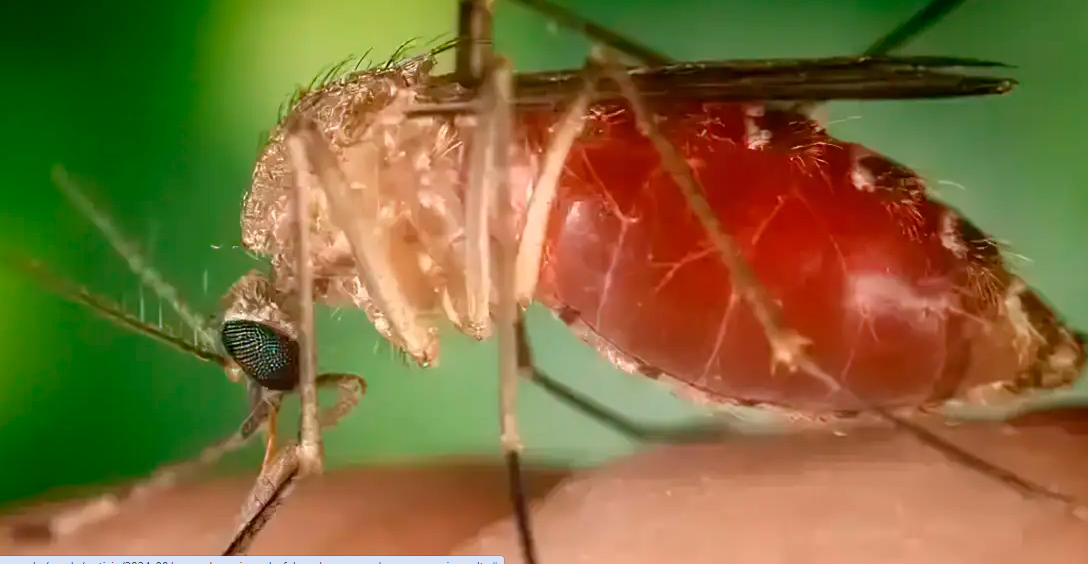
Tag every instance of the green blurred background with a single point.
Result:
(162, 107)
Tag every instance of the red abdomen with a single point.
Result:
(894, 290)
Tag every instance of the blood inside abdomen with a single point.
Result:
(846, 244)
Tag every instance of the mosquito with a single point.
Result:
(615, 195)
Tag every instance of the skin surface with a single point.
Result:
(390, 510)
(868, 496)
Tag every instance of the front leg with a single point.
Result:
(310, 448)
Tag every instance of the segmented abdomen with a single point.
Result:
(904, 301)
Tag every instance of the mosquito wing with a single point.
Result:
(838, 78)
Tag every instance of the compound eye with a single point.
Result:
(267, 356)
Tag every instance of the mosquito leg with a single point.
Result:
(490, 214)
(703, 432)
(309, 450)
(546, 188)
(477, 210)
(898, 37)
(474, 45)
(490, 174)
(1024, 486)
(595, 32)
(350, 389)
(106, 506)
(908, 30)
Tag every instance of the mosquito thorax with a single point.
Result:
(406, 183)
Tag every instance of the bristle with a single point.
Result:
(137, 264)
(402, 55)
(110, 310)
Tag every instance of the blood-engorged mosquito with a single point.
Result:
(429, 197)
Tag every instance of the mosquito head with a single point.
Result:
(259, 334)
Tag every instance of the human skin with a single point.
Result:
(873, 495)
(387, 510)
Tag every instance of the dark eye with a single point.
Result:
(266, 355)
